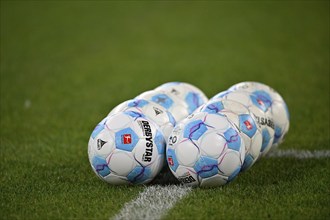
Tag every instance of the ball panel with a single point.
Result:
(248, 162)
(213, 107)
(116, 180)
(118, 121)
(215, 121)
(121, 162)
(234, 174)
(126, 139)
(267, 141)
(139, 175)
(163, 100)
(213, 181)
(104, 143)
(233, 139)
(194, 130)
(100, 166)
(247, 125)
(194, 101)
(230, 162)
(187, 153)
(206, 167)
(212, 145)
(160, 142)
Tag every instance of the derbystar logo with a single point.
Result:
(127, 138)
(186, 178)
(170, 161)
(248, 125)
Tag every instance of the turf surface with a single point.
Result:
(65, 64)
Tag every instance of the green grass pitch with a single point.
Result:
(65, 64)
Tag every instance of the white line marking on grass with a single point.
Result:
(153, 202)
(300, 154)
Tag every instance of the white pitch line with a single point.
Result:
(152, 203)
(155, 201)
(300, 154)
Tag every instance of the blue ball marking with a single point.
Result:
(265, 139)
(171, 118)
(126, 139)
(247, 162)
(234, 174)
(97, 130)
(247, 125)
(139, 103)
(163, 100)
(139, 174)
(160, 142)
(194, 101)
(214, 107)
(134, 114)
(100, 165)
(277, 135)
(194, 130)
(233, 139)
(172, 160)
(206, 167)
(261, 99)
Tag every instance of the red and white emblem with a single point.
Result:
(170, 161)
(248, 125)
(260, 102)
(127, 138)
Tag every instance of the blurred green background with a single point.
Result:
(66, 64)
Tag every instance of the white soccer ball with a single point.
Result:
(278, 108)
(260, 108)
(171, 103)
(152, 111)
(190, 94)
(205, 150)
(244, 121)
(126, 148)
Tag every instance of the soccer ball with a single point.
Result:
(244, 121)
(126, 148)
(205, 150)
(259, 106)
(279, 108)
(152, 111)
(171, 103)
(191, 95)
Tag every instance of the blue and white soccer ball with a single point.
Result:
(205, 150)
(152, 111)
(126, 148)
(245, 123)
(173, 104)
(259, 105)
(278, 107)
(190, 94)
